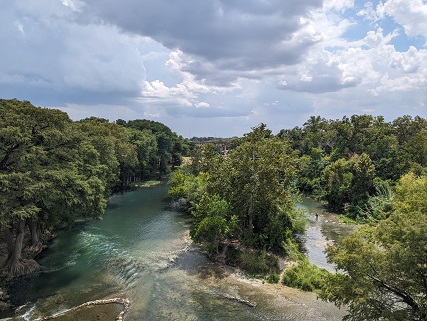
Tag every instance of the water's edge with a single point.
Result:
(141, 250)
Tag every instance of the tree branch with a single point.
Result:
(406, 298)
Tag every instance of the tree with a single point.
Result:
(362, 183)
(416, 148)
(145, 144)
(213, 222)
(205, 158)
(255, 180)
(336, 181)
(117, 152)
(48, 174)
(170, 146)
(385, 266)
(347, 184)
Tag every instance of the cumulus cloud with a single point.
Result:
(324, 74)
(225, 63)
(411, 14)
(234, 38)
(338, 5)
(371, 65)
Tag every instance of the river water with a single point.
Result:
(321, 231)
(141, 250)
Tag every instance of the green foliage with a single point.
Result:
(273, 278)
(362, 183)
(310, 169)
(211, 230)
(205, 158)
(232, 255)
(347, 220)
(178, 184)
(54, 171)
(213, 222)
(255, 181)
(48, 170)
(258, 263)
(385, 265)
(336, 181)
(339, 159)
(348, 184)
(378, 206)
(305, 276)
(165, 147)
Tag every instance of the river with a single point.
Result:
(322, 230)
(141, 250)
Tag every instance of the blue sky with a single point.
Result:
(219, 67)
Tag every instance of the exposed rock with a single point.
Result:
(233, 298)
(124, 302)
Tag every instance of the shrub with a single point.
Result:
(305, 276)
(258, 262)
(273, 278)
(232, 257)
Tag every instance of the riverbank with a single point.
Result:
(141, 250)
(285, 300)
(280, 300)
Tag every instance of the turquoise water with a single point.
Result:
(141, 250)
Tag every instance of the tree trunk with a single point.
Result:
(15, 265)
(8, 235)
(34, 233)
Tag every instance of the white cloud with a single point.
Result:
(157, 90)
(202, 105)
(338, 5)
(75, 5)
(411, 14)
(411, 61)
(369, 12)
(20, 27)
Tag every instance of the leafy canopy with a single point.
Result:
(385, 265)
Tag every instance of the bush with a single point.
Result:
(258, 262)
(232, 257)
(305, 276)
(273, 278)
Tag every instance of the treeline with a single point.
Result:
(352, 164)
(54, 170)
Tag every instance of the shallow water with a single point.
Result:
(141, 250)
(321, 231)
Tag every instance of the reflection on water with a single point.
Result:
(141, 251)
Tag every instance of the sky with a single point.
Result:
(219, 67)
